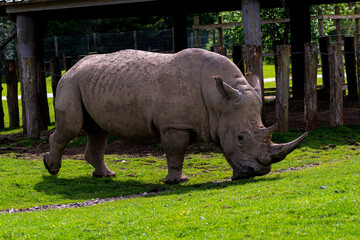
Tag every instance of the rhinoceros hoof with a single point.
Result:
(47, 166)
(104, 174)
(170, 179)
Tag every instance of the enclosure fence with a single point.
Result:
(61, 52)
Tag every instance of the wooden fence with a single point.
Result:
(11, 78)
(331, 63)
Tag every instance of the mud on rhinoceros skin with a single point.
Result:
(172, 98)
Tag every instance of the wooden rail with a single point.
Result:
(271, 21)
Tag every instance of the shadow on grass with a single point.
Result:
(85, 188)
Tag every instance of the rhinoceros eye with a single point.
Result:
(240, 140)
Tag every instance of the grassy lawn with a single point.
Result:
(269, 72)
(318, 202)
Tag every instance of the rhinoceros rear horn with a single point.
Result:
(279, 151)
(227, 91)
(266, 133)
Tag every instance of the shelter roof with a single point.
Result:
(61, 9)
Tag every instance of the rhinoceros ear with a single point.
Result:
(227, 91)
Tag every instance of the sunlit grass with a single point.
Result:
(319, 202)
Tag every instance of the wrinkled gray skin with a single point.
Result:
(148, 97)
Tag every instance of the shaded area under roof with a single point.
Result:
(87, 9)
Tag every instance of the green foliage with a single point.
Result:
(6, 28)
(317, 202)
(329, 25)
(270, 32)
(280, 32)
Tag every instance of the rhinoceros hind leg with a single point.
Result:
(95, 150)
(175, 143)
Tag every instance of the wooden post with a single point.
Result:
(254, 63)
(12, 93)
(56, 46)
(357, 43)
(135, 40)
(237, 54)
(336, 86)
(30, 97)
(197, 32)
(282, 72)
(26, 51)
(350, 66)
(40, 69)
(213, 39)
(2, 115)
(251, 22)
(68, 63)
(220, 50)
(357, 26)
(338, 26)
(321, 23)
(300, 27)
(220, 33)
(95, 43)
(252, 39)
(310, 93)
(324, 44)
(55, 72)
(180, 32)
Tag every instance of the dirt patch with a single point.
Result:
(16, 143)
(351, 112)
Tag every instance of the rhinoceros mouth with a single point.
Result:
(52, 172)
(250, 169)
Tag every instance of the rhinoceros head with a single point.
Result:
(245, 141)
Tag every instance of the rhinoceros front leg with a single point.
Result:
(175, 143)
(68, 125)
(94, 153)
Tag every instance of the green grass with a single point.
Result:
(269, 72)
(320, 202)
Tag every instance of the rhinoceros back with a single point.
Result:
(136, 94)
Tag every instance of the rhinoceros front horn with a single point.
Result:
(279, 151)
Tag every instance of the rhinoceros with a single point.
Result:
(193, 95)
